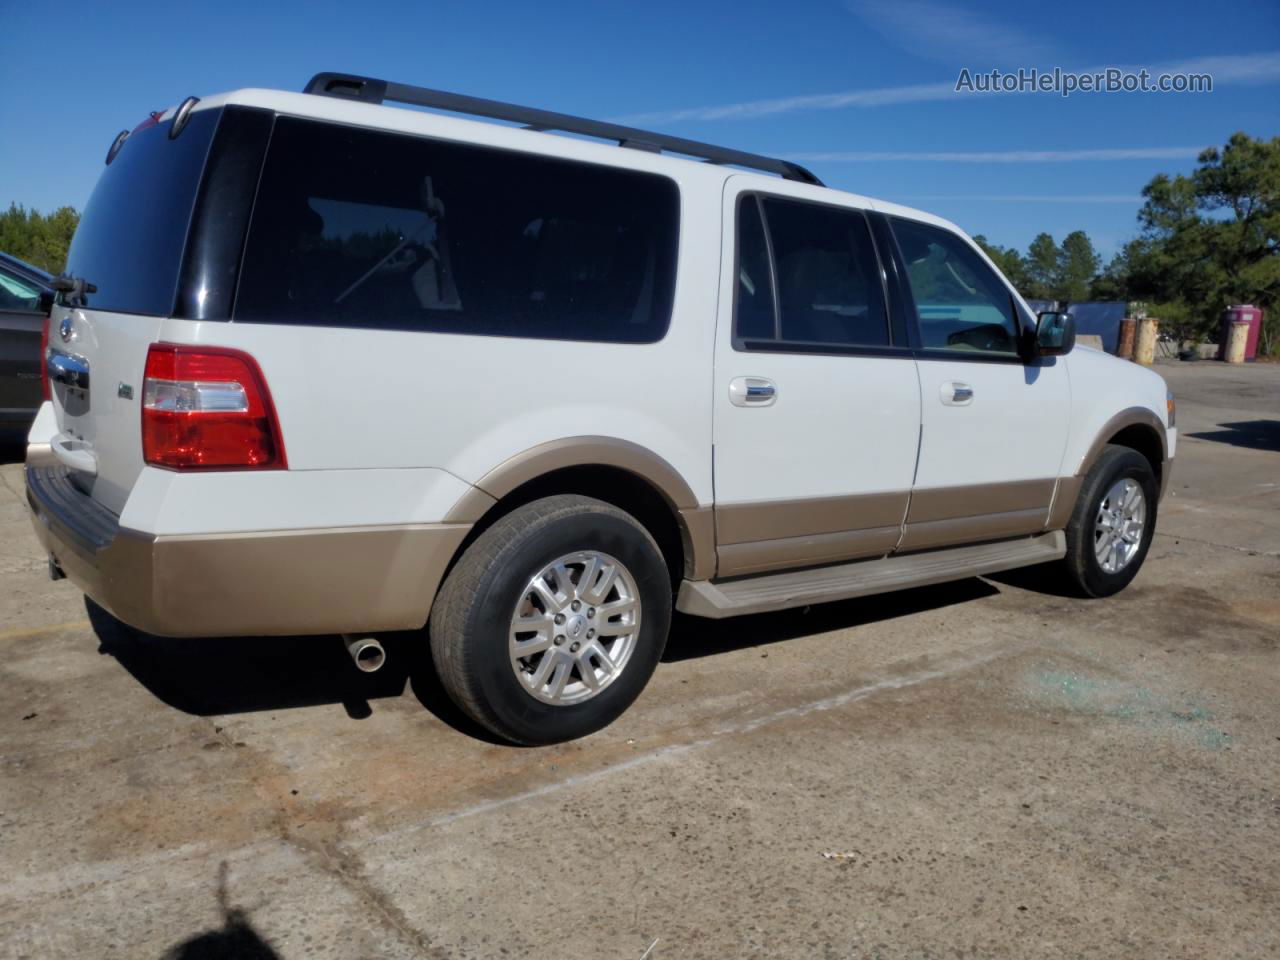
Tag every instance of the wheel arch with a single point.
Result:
(616, 471)
(1138, 429)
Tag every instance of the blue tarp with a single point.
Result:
(1100, 318)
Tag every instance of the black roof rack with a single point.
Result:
(368, 90)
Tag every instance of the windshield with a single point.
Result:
(17, 293)
(130, 240)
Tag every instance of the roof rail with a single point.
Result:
(368, 90)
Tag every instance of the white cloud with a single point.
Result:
(950, 34)
(883, 96)
(1245, 69)
(1029, 197)
(1252, 68)
(1003, 156)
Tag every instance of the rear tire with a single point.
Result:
(552, 681)
(1113, 522)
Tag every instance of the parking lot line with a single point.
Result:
(20, 634)
(741, 727)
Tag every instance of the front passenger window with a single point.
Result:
(962, 304)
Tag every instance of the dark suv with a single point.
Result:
(25, 293)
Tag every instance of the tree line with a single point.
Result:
(39, 239)
(1048, 271)
(1204, 240)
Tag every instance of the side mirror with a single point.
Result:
(45, 303)
(1055, 334)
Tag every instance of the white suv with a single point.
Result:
(326, 366)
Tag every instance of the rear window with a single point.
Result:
(362, 228)
(131, 237)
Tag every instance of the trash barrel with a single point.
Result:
(1240, 313)
(1128, 333)
(1238, 341)
(1145, 350)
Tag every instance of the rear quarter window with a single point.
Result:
(131, 238)
(362, 228)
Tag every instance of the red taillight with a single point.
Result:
(207, 408)
(45, 393)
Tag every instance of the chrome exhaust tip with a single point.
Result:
(366, 653)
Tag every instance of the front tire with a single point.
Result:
(1113, 522)
(553, 620)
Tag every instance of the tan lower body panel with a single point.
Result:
(1064, 502)
(756, 538)
(979, 499)
(738, 559)
(989, 526)
(269, 583)
(1165, 471)
(698, 537)
(778, 534)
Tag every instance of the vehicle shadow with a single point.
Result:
(1045, 578)
(229, 675)
(1253, 434)
(12, 450)
(226, 675)
(222, 675)
(695, 637)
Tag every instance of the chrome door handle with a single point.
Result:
(752, 392)
(956, 394)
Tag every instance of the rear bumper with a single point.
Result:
(339, 580)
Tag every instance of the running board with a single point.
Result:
(795, 588)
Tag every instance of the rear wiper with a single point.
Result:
(73, 289)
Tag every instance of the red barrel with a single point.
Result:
(1241, 313)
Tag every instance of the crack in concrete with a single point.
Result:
(1223, 546)
(348, 869)
(343, 865)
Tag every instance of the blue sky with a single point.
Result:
(860, 91)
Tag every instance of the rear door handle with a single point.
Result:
(752, 392)
(956, 394)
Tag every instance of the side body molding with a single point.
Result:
(697, 528)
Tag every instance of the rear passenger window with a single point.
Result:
(829, 291)
(369, 229)
(963, 306)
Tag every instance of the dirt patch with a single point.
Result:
(1194, 618)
